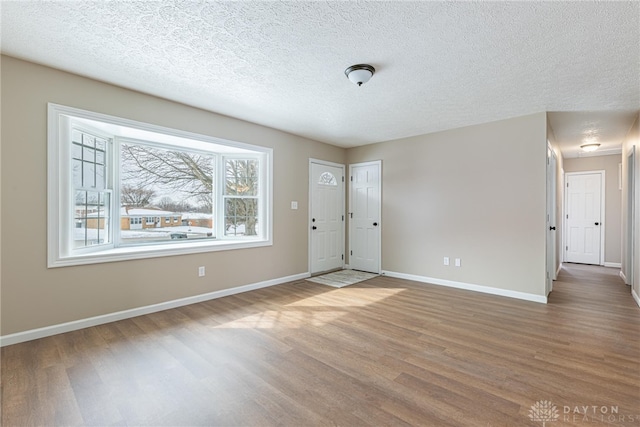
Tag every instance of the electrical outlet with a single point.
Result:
(446, 260)
(458, 262)
(294, 205)
(200, 271)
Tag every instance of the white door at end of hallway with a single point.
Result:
(327, 217)
(584, 217)
(364, 216)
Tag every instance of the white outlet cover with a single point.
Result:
(446, 260)
(458, 262)
(294, 205)
(201, 271)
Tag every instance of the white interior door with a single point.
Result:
(364, 216)
(584, 217)
(327, 217)
(551, 218)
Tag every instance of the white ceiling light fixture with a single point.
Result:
(359, 73)
(590, 147)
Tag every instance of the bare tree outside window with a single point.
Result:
(241, 197)
(137, 197)
(167, 183)
(177, 172)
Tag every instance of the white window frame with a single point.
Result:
(60, 206)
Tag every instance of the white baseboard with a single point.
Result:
(636, 297)
(134, 312)
(558, 270)
(613, 264)
(470, 287)
(624, 277)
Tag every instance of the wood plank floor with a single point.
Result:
(381, 352)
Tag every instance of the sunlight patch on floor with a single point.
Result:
(317, 310)
(358, 297)
(283, 319)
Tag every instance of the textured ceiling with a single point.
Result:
(440, 65)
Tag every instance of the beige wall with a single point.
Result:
(34, 296)
(475, 193)
(613, 199)
(632, 140)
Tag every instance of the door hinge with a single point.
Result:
(567, 216)
(343, 179)
(343, 217)
(350, 252)
(566, 248)
(567, 185)
(351, 178)
(343, 257)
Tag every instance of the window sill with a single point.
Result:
(142, 252)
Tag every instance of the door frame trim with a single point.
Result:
(631, 209)
(381, 222)
(552, 213)
(309, 207)
(603, 187)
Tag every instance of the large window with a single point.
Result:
(120, 189)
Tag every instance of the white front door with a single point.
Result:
(364, 216)
(327, 217)
(584, 217)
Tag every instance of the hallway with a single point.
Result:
(594, 288)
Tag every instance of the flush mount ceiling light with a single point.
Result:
(360, 73)
(590, 147)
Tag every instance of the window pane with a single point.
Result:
(91, 218)
(88, 160)
(88, 154)
(88, 140)
(101, 144)
(76, 151)
(157, 184)
(241, 216)
(88, 175)
(76, 166)
(100, 176)
(241, 177)
(100, 157)
(76, 136)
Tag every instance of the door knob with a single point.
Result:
(314, 227)
(552, 228)
(597, 223)
(375, 224)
